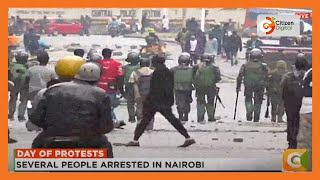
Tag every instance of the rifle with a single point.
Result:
(266, 115)
(235, 108)
(217, 99)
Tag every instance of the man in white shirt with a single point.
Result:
(165, 24)
(40, 75)
(193, 48)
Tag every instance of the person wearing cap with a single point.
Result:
(82, 111)
(274, 91)
(138, 79)
(160, 99)
(255, 76)
(206, 75)
(183, 78)
(133, 59)
(111, 79)
(20, 76)
(292, 95)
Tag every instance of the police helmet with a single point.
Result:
(256, 54)
(89, 72)
(133, 57)
(281, 64)
(22, 56)
(95, 57)
(206, 57)
(183, 59)
(301, 62)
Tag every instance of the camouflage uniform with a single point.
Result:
(128, 69)
(20, 76)
(138, 98)
(133, 59)
(254, 75)
(205, 78)
(183, 76)
(274, 91)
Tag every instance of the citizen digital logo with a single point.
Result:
(284, 25)
(278, 25)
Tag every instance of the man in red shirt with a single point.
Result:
(111, 79)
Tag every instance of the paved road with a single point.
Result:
(214, 140)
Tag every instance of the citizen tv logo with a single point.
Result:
(304, 15)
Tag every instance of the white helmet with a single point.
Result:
(89, 72)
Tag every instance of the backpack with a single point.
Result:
(144, 82)
(254, 75)
(129, 69)
(183, 78)
(19, 74)
(294, 89)
(205, 76)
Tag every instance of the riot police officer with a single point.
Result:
(254, 75)
(20, 76)
(206, 75)
(183, 78)
(274, 91)
(133, 59)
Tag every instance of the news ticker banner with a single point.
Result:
(36, 160)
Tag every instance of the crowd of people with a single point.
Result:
(78, 99)
(194, 41)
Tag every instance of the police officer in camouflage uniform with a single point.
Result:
(206, 75)
(292, 95)
(254, 74)
(134, 60)
(183, 77)
(274, 91)
(20, 76)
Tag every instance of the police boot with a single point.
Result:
(249, 116)
(249, 110)
(280, 120)
(273, 118)
(181, 118)
(10, 116)
(257, 108)
(186, 117)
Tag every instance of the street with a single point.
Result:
(213, 140)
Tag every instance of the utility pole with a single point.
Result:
(184, 17)
(203, 17)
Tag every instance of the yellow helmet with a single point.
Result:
(68, 66)
(281, 64)
(151, 30)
